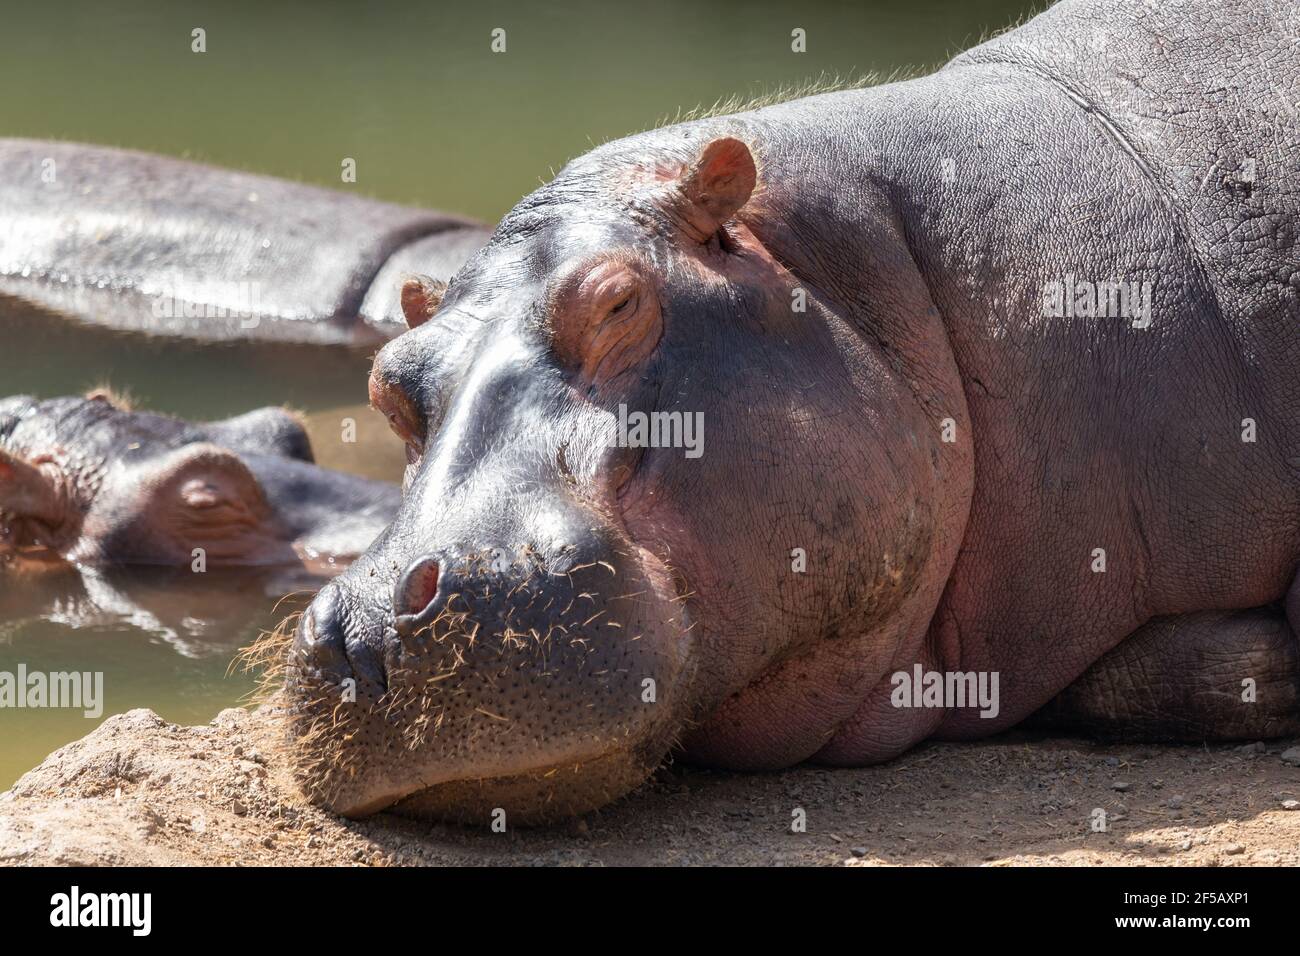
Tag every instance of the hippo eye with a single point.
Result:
(391, 401)
(605, 319)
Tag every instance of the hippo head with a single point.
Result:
(91, 481)
(644, 469)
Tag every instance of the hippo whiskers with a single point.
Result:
(543, 623)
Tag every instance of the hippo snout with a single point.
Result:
(493, 665)
(330, 647)
(318, 643)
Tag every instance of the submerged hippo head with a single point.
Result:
(91, 481)
(623, 418)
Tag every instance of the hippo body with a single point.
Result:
(168, 247)
(997, 377)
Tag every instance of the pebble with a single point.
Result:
(1234, 849)
(1175, 802)
(1291, 756)
(1123, 786)
(859, 851)
(1291, 804)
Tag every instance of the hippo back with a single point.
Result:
(1205, 95)
(169, 247)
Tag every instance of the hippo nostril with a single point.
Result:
(318, 641)
(413, 595)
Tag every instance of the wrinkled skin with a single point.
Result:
(502, 632)
(86, 481)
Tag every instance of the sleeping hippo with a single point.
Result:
(990, 379)
(91, 482)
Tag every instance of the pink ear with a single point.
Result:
(421, 297)
(719, 182)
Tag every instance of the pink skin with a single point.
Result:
(790, 691)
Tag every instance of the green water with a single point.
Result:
(413, 93)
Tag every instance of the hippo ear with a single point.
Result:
(25, 491)
(421, 297)
(718, 184)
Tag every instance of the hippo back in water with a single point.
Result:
(995, 379)
(169, 247)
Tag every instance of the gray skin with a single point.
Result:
(168, 247)
(88, 482)
(502, 629)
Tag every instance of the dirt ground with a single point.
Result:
(139, 790)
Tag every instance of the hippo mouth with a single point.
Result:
(470, 713)
(540, 796)
(547, 793)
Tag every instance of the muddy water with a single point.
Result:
(411, 92)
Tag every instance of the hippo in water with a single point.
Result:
(992, 377)
(167, 247)
(92, 482)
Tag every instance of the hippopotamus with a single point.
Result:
(91, 482)
(785, 435)
(164, 246)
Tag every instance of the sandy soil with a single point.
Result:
(139, 790)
